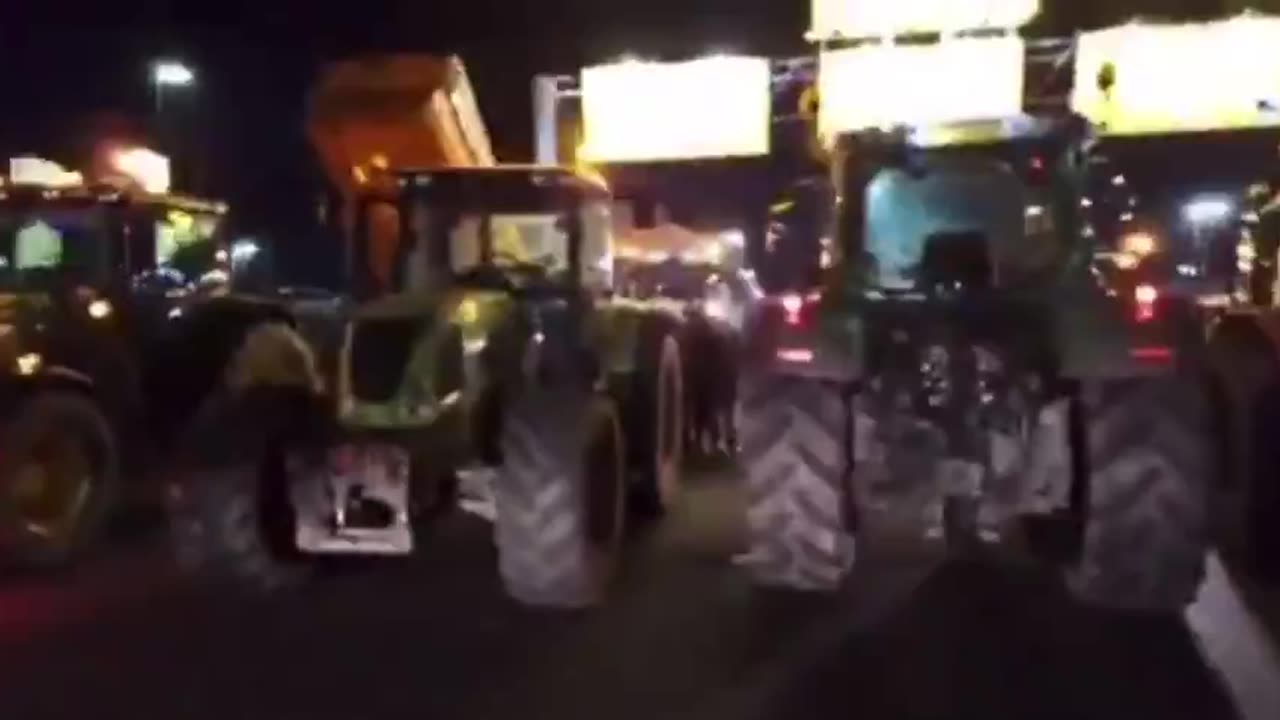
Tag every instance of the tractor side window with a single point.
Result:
(44, 245)
(597, 245)
(37, 245)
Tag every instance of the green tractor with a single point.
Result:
(964, 366)
(485, 350)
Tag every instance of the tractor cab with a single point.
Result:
(72, 249)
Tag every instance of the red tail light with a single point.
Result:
(1144, 301)
(794, 305)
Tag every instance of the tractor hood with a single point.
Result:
(407, 358)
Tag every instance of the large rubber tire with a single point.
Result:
(230, 515)
(657, 429)
(1150, 456)
(73, 418)
(560, 498)
(795, 440)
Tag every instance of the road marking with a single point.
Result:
(1236, 644)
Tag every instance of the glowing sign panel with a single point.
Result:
(885, 86)
(706, 108)
(1170, 78)
(38, 171)
(870, 18)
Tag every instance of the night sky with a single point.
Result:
(73, 71)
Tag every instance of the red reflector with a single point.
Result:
(1153, 353)
(795, 355)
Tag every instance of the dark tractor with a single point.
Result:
(486, 351)
(118, 318)
(965, 359)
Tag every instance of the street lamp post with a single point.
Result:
(169, 75)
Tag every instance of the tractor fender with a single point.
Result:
(273, 354)
(1242, 364)
(624, 335)
(233, 343)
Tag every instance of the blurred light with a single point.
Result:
(175, 313)
(221, 255)
(1145, 296)
(468, 311)
(795, 355)
(244, 250)
(734, 238)
(29, 363)
(147, 168)
(1117, 180)
(706, 108)
(876, 18)
(170, 73)
(1034, 211)
(1086, 203)
(1207, 210)
(1184, 77)
(1125, 261)
(1188, 270)
(1126, 216)
(717, 309)
(1249, 217)
(882, 86)
(100, 309)
(1140, 244)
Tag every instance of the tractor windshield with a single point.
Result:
(988, 206)
(470, 233)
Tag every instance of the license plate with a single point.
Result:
(381, 474)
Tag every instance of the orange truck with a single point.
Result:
(373, 115)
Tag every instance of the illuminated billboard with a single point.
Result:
(1135, 79)
(883, 86)
(875, 18)
(706, 108)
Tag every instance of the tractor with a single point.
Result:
(485, 349)
(960, 354)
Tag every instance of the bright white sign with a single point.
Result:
(1170, 78)
(873, 18)
(883, 86)
(707, 108)
(39, 171)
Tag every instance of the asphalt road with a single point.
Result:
(684, 637)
